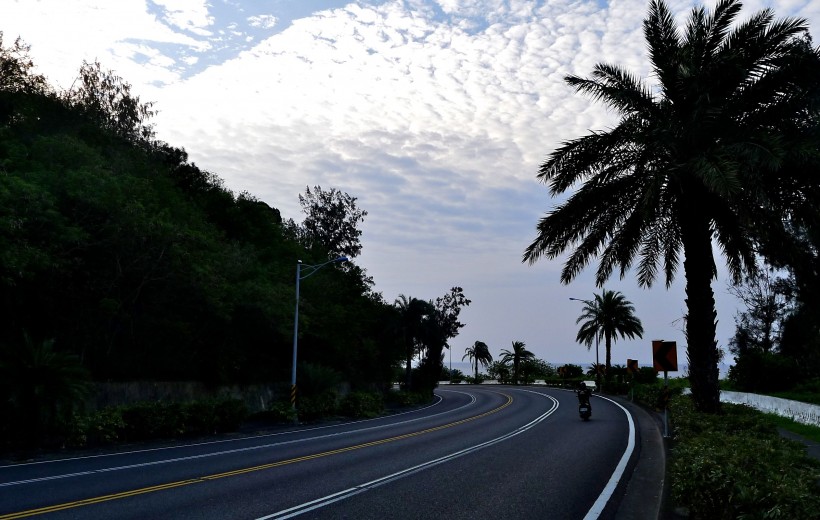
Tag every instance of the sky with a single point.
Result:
(434, 114)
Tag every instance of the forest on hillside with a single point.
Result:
(118, 252)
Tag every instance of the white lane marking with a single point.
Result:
(231, 451)
(598, 507)
(207, 443)
(342, 495)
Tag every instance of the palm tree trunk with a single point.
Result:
(701, 324)
(408, 371)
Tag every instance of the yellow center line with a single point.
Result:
(216, 476)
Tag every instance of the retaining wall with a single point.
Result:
(804, 413)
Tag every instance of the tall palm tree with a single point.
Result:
(682, 168)
(478, 353)
(517, 356)
(607, 317)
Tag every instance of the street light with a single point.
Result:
(597, 362)
(309, 271)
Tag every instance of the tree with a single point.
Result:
(40, 388)
(516, 357)
(331, 221)
(478, 353)
(412, 314)
(439, 327)
(107, 99)
(684, 165)
(607, 317)
(16, 70)
(758, 326)
(500, 371)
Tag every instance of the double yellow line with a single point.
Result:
(242, 471)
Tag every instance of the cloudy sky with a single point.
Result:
(435, 114)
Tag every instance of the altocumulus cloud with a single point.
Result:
(435, 114)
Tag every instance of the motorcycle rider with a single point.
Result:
(584, 393)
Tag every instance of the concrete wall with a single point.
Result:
(804, 413)
(256, 397)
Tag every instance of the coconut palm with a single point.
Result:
(478, 353)
(682, 168)
(517, 356)
(609, 315)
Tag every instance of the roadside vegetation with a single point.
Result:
(736, 465)
(121, 260)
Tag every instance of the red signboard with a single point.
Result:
(665, 356)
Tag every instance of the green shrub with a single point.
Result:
(653, 395)
(735, 465)
(229, 414)
(362, 405)
(616, 387)
(646, 376)
(313, 407)
(279, 411)
(104, 426)
(401, 398)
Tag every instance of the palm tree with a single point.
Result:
(607, 317)
(41, 387)
(478, 353)
(683, 166)
(517, 356)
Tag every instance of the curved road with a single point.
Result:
(477, 452)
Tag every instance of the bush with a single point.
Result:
(154, 420)
(102, 427)
(399, 398)
(313, 407)
(655, 395)
(281, 411)
(617, 387)
(763, 372)
(362, 405)
(228, 414)
(735, 465)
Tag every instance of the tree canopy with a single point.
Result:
(703, 157)
(116, 250)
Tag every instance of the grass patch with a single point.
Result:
(736, 465)
(804, 430)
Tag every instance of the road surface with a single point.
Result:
(476, 452)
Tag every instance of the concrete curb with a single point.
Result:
(644, 493)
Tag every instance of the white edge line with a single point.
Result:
(599, 505)
(223, 452)
(207, 443)
(342, 495)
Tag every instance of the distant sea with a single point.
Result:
(683, 371)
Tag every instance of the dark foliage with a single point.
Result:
(141, 265)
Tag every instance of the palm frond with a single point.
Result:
(664, 43)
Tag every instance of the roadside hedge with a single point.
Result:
(156, 420)
(735, 465)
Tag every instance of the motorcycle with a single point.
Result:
(584, 406)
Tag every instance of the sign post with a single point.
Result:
(632, 368)
(665, 358)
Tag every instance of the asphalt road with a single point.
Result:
(478, 452)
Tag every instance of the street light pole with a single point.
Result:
(597, 337)
(309, 270)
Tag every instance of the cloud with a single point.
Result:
(435, 114)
